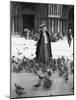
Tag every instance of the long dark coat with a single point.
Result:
(41, 42)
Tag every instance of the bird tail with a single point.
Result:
(15, 85)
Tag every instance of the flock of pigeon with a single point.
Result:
(46, 84)
(59, 64)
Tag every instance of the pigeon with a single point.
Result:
(19, 53)
(66, 79)
(47, 83)
(37, 85)
(13, 56)
(19, 90)
(49, 73)
(61, 73)
(13, 60)
(72, 89)
(18, 86)
(35, 72)
(40, 77)
(66, 76)
(51, 95)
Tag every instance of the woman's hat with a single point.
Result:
(42, 25)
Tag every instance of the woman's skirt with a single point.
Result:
(44, 54)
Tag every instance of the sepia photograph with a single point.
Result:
(41, 49)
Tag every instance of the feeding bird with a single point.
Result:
(37, 85)
(66, 76)
(49, 73)
(72, 89)
(47, 83)
(18, 86)
(19, 90)
(40, 77)
(19, 53)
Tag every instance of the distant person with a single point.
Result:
(26, 33)
(69, 36)
(43, 50)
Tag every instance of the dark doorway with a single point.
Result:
(28, 21)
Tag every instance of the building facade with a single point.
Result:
(30, 15)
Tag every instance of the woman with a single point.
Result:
(43, 51)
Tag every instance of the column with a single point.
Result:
(12, 24)
(52, 25)
(58, 25)
(53, 9)
(61, 28)
(57, 8)
(49, 9)
(49, 25)
(60, 10)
